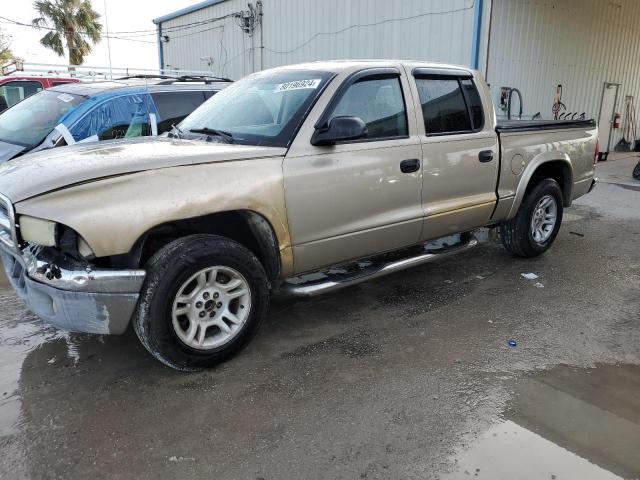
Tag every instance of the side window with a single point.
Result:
(173, 107)
(475, 105)
(379, 103)
(119, 117)
(443, 106)
(14, 92)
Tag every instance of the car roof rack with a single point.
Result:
(143, 77)
(169, 79)
(197, 78)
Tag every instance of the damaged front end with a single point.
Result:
(66, 291)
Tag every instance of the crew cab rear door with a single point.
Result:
(357, 197)
(460, 151)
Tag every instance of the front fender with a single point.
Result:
(113, 213)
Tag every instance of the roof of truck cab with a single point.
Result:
(341, 65)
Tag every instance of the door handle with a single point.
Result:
(485, 156)
(410, 166)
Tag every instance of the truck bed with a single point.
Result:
(525, 144)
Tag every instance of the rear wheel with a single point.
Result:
(202, 301)
(536, 225)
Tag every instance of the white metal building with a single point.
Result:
(591, 48)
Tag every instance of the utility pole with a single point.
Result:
(106, 23)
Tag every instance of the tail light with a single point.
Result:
(597, 153)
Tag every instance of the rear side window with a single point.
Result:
(379, 103)
(443, 106)
(475, 105)
(173, 107)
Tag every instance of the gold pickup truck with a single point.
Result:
(286, 172)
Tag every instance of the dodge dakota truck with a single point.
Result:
(287, 172)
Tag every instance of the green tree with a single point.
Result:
(74, 25)
(5, 49)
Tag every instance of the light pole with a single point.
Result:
(106, 23)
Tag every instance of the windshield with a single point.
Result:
(30, 121)
(262, 109)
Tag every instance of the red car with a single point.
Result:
(15, 88)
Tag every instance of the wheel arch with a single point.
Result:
(247, 227)
(557, 166)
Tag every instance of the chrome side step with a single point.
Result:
(328, 282)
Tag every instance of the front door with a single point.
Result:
(607, 110)
(354, 199)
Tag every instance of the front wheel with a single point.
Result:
(534, 228)
(203, 299)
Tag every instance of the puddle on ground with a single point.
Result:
(20, 332)
(565, 423)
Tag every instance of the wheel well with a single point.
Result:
(560, 171)
(245, 227)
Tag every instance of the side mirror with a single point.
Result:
(339, 129)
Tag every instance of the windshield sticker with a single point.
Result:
(65, 97)
(298, 85)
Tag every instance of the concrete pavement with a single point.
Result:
(409, 376)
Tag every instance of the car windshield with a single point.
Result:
(29, 122)
(265, 108)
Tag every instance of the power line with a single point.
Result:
(38, 27)
(359, 25)
(134, 33)
(171, 37)
(176, 28)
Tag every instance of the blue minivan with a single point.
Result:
(88, 112)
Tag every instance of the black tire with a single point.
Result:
(167, 271)
(636, 172)
(516, 234)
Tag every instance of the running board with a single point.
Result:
(337, 278)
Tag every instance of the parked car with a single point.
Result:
(14, 88)
(286, 172)
(87, 112)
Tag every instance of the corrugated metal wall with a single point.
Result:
(305, 30)
(302, 30)
(192, 44)
(581, 44)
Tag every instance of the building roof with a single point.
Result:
(184, 11)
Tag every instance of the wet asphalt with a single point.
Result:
(410, 376)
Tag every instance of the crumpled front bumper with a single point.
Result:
(71, 295)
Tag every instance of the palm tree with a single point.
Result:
(5, 49)
(72, 20)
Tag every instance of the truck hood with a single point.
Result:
(42, 172)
